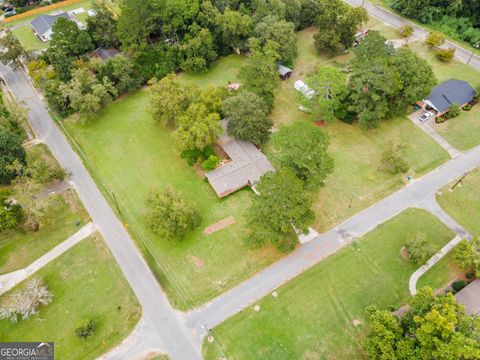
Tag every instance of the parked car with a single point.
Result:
(10, 13)
(426, 116)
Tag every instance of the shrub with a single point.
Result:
(196, 156)
(439, 120)
(453, 111)
(458, 285)
(85, 330)
(393, 160)
(470, 275)
(418, 249)
(445, 55)
(467, 107)
(406, 30)
(211, 163)
(434, 39)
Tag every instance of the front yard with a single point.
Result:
(27, 38)
(320, 314)
(87, 284)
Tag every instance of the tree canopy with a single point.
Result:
(11, 151)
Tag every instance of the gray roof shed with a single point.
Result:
(469, 297)
(450, 92)
(42, 23)
(104, 54)
(246, 167)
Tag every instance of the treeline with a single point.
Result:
(459, 19)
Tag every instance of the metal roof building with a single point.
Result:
(42, 25)
(450, 92)
(469, 297)
(246, 167)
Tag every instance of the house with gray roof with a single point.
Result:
(469, 297)
(246, 166)
(104, 54)
(284, 71)
(42, 25)
(447, 93)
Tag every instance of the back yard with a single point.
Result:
(86, 284)
(320, 314)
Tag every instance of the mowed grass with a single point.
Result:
(27, 38)
(135, 156)
(357, 153)
(312, 317)
(63, 218)
(87, 284)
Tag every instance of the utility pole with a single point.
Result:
(459, 181)
(476, 46)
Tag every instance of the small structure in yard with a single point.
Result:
(233, 86)
(469, 297)
(42, 25)
(104, 54)
(447, 93)
(284, 71)
(306, 90)
(246, 166)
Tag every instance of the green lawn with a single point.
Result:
(27, 38)
(134, 156)
(87, 284)
(312, 317)
(63, 218)
(442, 273)
(463, 132)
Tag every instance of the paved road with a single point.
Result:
(164, 326)
(396, 21)
(414, 194)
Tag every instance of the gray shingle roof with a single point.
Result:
(247, 166)
(42, 23)
(104, 54)
(451, 92)
(469, 297)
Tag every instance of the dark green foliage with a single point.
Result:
(11, 213)
(211, 163)
(11, 151)
(393, 159)
(467, 255)
(86, 330)
(247, 117)
(470, 275)
(171, 215)
(303, 147)
(102, 27)
(458, 285)
(122, 73)
(198, 51)
(196, 156)
(13, 50)
(136, 22)
(453, 111)
(68, 39)
(419, 249)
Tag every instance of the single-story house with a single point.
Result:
(306, 90)
(246, 167)
(104, 54)
(284, 71)
(42, 25)
(447, 93)
(469, 297)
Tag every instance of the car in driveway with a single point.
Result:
(426, 116)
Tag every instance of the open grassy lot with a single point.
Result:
(27, 38)
(312, 317)
(463, 203)
(134, 156)
(87, 284)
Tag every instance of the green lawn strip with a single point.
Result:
(63, 218)
(135, 156)
(463, 132)
(27, 38)
(463, 203)
(440, 274)
(86, 4)
(312, 317)
(87, 284)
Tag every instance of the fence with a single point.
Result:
(41, 10)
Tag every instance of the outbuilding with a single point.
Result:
(284, 71)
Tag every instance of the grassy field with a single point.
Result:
(463, 132)
(442, 273)
(87, 284)
(134, 156)
(63, 217)
(27, 38)
(312, 317)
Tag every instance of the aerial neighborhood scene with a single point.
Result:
(260, 179)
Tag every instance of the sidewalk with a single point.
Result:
(8, 281)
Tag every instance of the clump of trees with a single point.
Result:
(171, 215)
(418, 248)
(11, 213)
(393, 159)
(467, 255)
(11, 154)
(24, 303)
(434, 327)
(86, 330)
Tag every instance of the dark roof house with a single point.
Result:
(450, 92)
(469, 297)
(104, 54)
(246, 167)
(42, 25)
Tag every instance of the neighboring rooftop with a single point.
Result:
(42, 23)
(246, 167)
(450, 92)
(104, 54)
(469, 297)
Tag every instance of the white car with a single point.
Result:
(426, 116)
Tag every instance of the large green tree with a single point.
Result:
(102, 27)
(282, 206)
(122, 73)
(171, 215)
(303, 147)
(136, 22)
(234, 28)
(11, 213)
(68, 39)
(247, 117)
(467, 255)
(12, 50)
(198, 51)
(11, 151)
